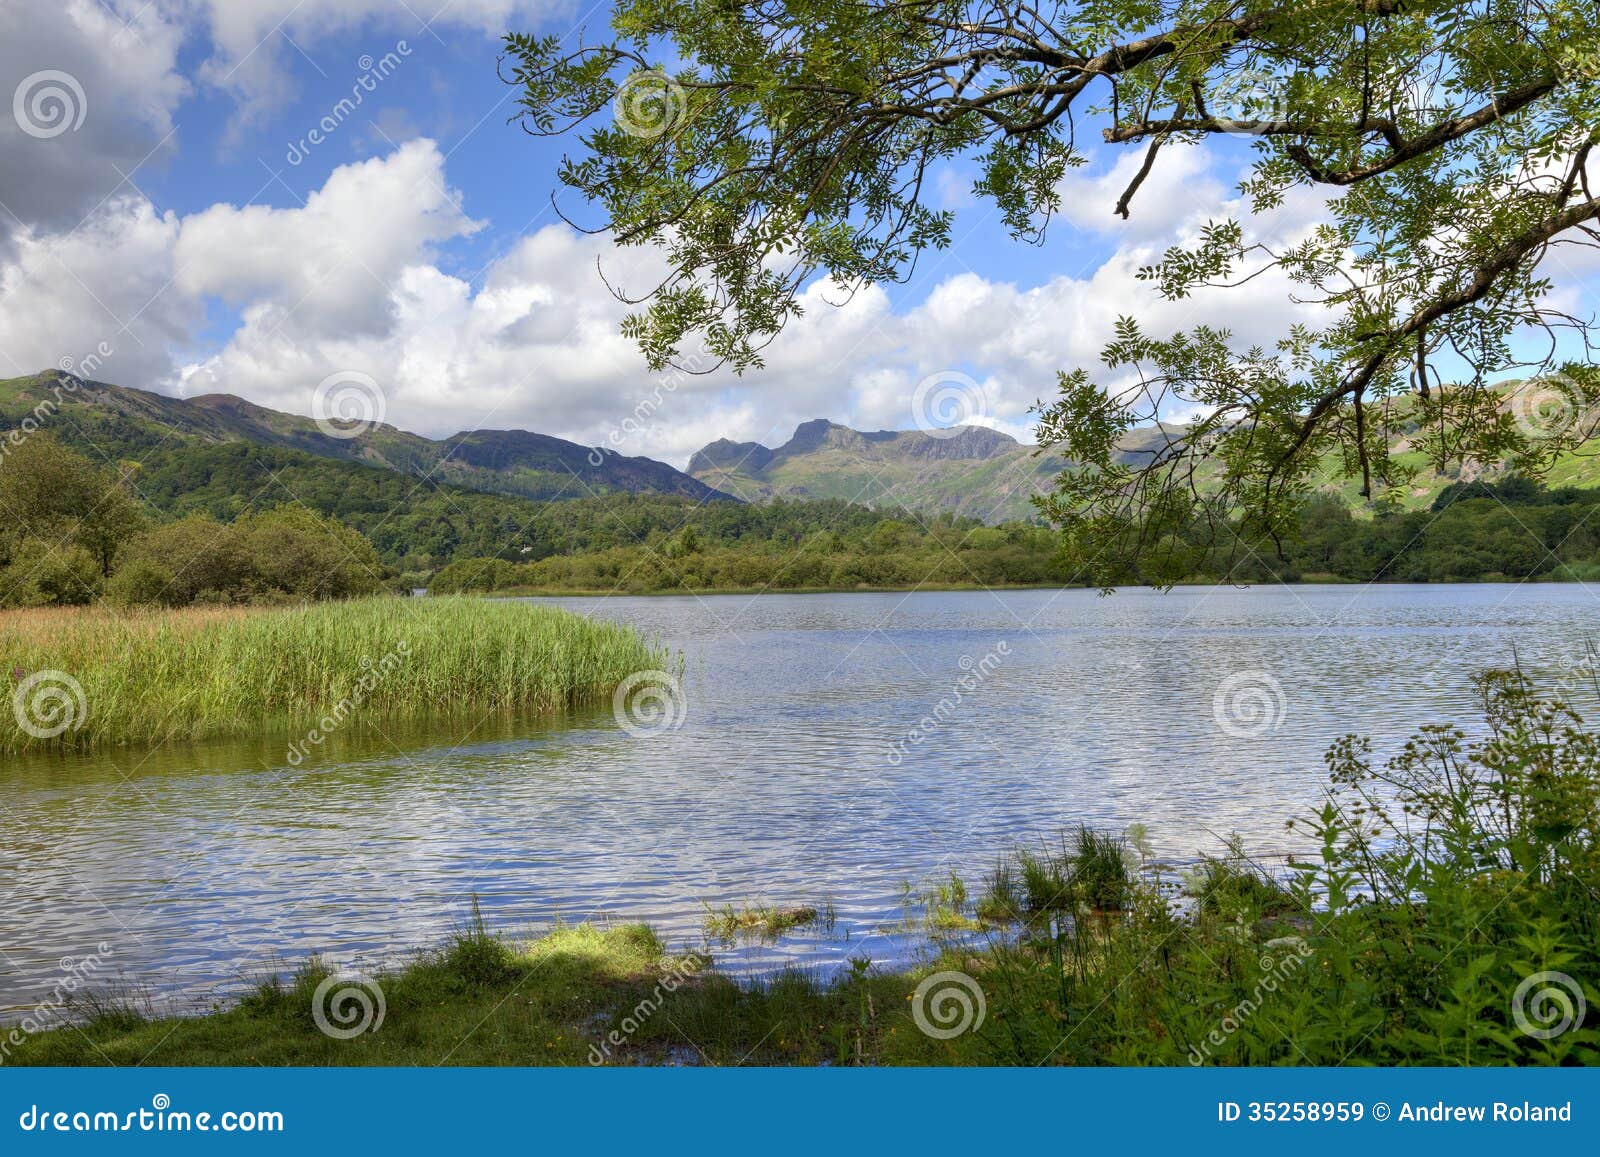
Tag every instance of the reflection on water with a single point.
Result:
(835, 747)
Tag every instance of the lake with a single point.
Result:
(829, 749)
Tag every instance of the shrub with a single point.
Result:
(285, 555)
(142, 582)
(42, 574)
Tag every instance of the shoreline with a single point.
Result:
(936, 588)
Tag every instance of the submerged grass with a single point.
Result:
(729, 923)
(119, 678)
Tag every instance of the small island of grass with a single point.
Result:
(96, 677)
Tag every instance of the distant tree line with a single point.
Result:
(1508, 530)
(235, 523)
(1511, 529)
(785, 546)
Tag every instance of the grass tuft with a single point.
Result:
(729, 923)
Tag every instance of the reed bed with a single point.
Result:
(82, 678)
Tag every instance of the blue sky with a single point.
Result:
(185, 234)
(443, 86)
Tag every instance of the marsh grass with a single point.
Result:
(728, 923)
(1088, 868)
(1236, 883)
(149, 677)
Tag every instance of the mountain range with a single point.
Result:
(128, 423)
(969, 470)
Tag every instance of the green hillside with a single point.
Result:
(129, 423)
(976, 472)
(988, 475)
(1579, 470)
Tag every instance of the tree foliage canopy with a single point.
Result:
(763, 145)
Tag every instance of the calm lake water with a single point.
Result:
(832, 748)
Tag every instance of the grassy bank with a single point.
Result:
(1452, 917)
(98, 677)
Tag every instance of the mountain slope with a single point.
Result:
(970, 470)
(122, 422)
(973, 471)
(988, 475)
